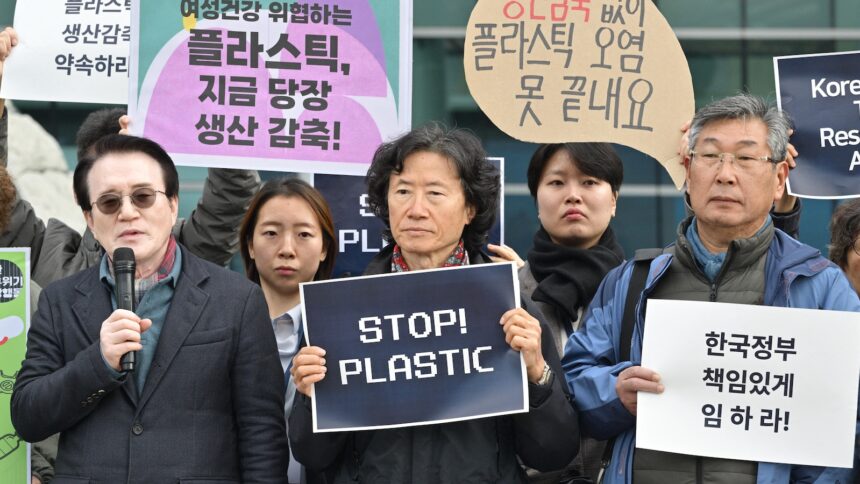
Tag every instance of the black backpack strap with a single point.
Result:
(641, 265)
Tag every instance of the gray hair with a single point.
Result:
(746, 106)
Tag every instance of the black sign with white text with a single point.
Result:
(414, 348)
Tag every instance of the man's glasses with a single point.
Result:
(110, 203)
(741, 162)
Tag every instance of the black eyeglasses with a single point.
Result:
(110, 203)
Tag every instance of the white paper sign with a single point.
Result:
(751, 382)
(70, 51)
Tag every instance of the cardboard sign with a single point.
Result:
(414, 348)
(303, 86)
(821, 93)
(69, 51)
(359, 232)
(14, 323)
(554, 71)
(751, 382)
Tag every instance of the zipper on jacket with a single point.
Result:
(700, 477)
(713, 292)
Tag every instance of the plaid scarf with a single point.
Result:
(141, 286)
(459, 257)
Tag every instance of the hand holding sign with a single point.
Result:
(633, 380)
(124, 122)
(522, 333)
(308, 368)
(8, 40)
(503, 253)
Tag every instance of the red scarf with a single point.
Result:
(459, 257)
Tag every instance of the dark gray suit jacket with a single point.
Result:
(212, 406)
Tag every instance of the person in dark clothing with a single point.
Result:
(287, 238)
(437, 195)
(204, 400)
(575, 187)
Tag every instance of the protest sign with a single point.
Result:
(751, 382)
(304, 86)
(554, 71)
(14, 322)
(69, 50)
(414, 348)
(821, 94)
(359, 232)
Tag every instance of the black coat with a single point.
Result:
(212, 406)
(480, 451)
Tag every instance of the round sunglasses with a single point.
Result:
(110, 203)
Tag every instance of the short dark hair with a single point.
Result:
(119, 143)
(478, 177)
(97, 125)
(844, 229)
(593, 159)
(291, 188)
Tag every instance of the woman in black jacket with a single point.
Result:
(575, 187)
(437, 195)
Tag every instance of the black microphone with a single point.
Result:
(123, 275)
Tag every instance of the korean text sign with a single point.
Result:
(821, 94)
(14, 322)
(306, 86)
(71, 51)
(554, 71)
(751, 382)
(359, 232)
(414, 348)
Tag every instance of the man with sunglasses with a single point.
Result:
(727, 251)
(204, 402)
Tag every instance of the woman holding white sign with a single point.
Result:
(437, 195)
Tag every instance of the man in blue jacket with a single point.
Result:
(728, 251)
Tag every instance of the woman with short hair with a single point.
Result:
(575, 188)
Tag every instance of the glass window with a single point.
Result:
(716, 68)
(847, 14)
(441, 14)
(788, 13)
(701, 13)
(760, 54)
(847, 45)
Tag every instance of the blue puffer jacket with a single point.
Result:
(797, 276)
